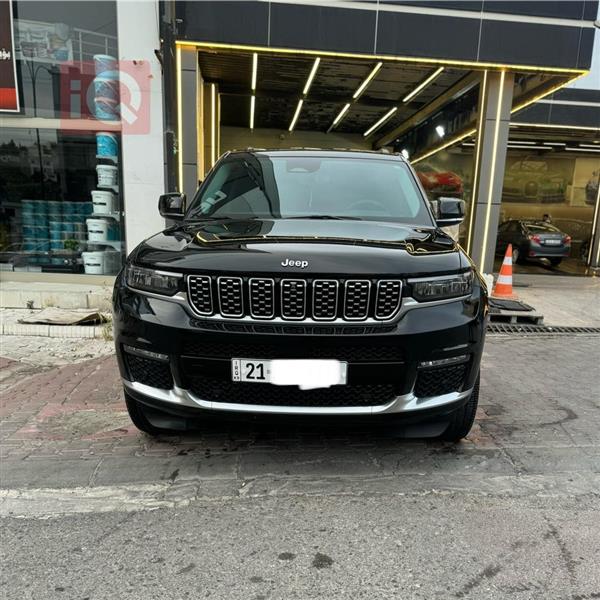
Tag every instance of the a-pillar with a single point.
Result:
(495, 100)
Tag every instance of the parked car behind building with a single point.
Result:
(533, 239)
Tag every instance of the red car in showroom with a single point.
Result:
(439, 183)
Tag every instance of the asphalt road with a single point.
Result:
(259, 513)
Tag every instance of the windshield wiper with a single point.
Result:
(326, 218)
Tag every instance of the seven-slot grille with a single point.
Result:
(295, 299)
(262, 298)
(231, 297)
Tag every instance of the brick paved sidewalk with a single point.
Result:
(72, 423)
(69, 409)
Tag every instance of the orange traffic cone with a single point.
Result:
(503, 287)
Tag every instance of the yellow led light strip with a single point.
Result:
(383, 57)
(341, 114)
(449, 143)
(179, 120)
(544, 126)
(296, 115)
(513, 110)
(423, 85)
(254, 71)
(545, 93)
(305, 90)
(594, 232)
(363, 86)
(311, 76)
(476, 169)
(213, 124)
(488, 209)
(253, 88)
(381, 121)
(252, 108)
(359, 90)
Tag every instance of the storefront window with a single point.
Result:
(60, 207)
(560, 189)
(448, 173)
(56, 42)
(60, 195)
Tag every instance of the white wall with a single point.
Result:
(236, 138)
(143, 171)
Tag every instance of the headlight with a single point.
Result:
(149, 280)
(443, 287)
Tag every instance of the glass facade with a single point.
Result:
(449, 173)
(560, 189)
(56, 42)
(52, 205)
(60, 175)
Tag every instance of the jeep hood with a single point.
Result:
(329, 246)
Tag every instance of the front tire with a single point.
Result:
(462, 419)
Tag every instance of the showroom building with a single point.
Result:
(490, 101)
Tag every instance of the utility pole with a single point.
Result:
(168, 34)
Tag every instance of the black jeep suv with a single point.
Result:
(303, 282)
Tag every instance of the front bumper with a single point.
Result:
(177, 400)
(386, 363)
(542, 251)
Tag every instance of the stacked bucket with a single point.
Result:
(103, 232)
(48, 225)
(106, 88)
(34, 216)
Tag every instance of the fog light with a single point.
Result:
(442, 362)
(146, 353)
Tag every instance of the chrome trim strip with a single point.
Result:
(231, 315)
(283, 317)
(439, 277)
(149, 354)
(393, 314)
(261, 317)
(166, 273)
(401, 404)
(210, 288)
(337, 292)
(355, 319)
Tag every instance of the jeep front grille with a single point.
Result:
(263, 298)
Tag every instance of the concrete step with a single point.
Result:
(21, 294)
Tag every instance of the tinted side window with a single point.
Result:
(234, 190)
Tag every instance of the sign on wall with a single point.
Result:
(9, 94)
(44, 42)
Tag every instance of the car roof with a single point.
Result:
(324, 153)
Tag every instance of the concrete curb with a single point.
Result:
(53, 331)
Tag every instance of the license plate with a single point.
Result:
(305, 373)
(552, 242)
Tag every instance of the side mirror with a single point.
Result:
(450, 211)
(172, 205)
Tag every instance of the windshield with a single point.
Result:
(283, 187)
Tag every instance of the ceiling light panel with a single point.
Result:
(381, 121)
(423, 84)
